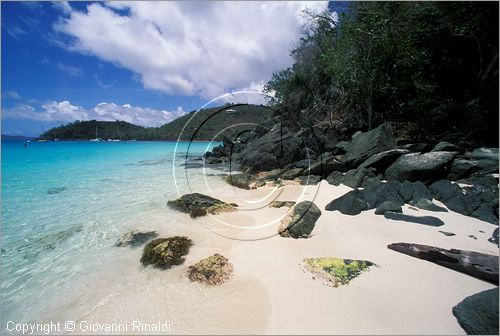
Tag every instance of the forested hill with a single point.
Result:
(203, 125)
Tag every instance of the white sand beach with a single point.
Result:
(270, 292)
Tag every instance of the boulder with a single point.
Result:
(326, 165)
(335, 271)
(241, 180)
(306, 163)
(378, 193)
(388, 206)
(351, 203)
(420, 167)
(486, 159)
(213, 270)
(406, 190)
(166, 252)
(478, 314)
(461, 168)
(420, 191)
(280, 204)
(417, 147)
(448, 234)
(424, 220)
(494, 237)
(364, 145)
(301, 222)
(355, 178)
(425, 204)
(381, 161)
(444, 190)
(485, 212)
(335, 178)
(136, 238)
(479, 265)
(292, 173)
(444, 146)
(199, 205)
(341, 147)
(309, 180)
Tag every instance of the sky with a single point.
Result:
(143, 62)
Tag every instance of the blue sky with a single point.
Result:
(142, 62)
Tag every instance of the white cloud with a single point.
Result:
(11, 94)
(190, 48)
(65, 111)
(70, 70)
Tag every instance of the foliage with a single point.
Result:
(336, 271)
(431, 63)
(206, 124)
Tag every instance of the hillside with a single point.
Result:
(205, 125)
(6, 137)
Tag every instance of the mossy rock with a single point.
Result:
(213, 270)
(241, 180)
(335, 271)
(166, 252)
(280, 204)
(300, 221)
(197, 205)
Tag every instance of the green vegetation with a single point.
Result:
(204, 125)
(429, 67)
(213, 270)
(166, 252)
(336, 271)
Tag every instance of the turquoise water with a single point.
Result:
(64, 204)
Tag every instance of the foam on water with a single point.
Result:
(64, 204)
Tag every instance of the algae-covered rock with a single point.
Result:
(199, 205)
(166, 252)
(136, 238)
(301, 222)
(242, 180)
(213, 270)
(280, 204)
(335, 271)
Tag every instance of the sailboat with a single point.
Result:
(96, 138)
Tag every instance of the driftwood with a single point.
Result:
(479, 265)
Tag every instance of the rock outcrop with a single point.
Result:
(420, 167)
(478, 314)
(166, 252)
(301, 221)
(213, 270)
(199, 205)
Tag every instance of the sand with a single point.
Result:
(270, 292)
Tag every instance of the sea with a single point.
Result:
(65, 204)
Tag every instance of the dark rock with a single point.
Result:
(136, 238)
(473, 237)
(341, 147)
(335, 178)
(420, 191)
(292, 173)
(484, 153)
(364, 145)
(424, 220)
(280, 204)
(485, 212)
(444, 190)
(273, 174)
(448, 234)
(478, 314)
(420, 167)
(309, 180)
(53, 191)
(326, 165)
(306, 163)
(444, 146)
(166, 252)
(199, 205)
(378, 193)
(383, 160)
(241, 180)
(406, 190)
(354, 178)
(301, 222)
(479, 265)
(425, 204)
(494, 237)
(461, 168)
(214, 160)
(352, 203)
(388, 206)
(417, 148)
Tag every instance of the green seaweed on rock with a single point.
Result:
(166, 252)
(213, 270)
(336, 271)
